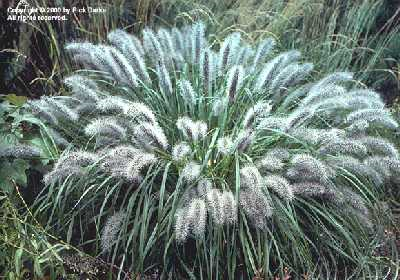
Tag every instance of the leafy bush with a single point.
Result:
(214, 161)
(25, 248)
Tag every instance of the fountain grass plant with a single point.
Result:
(215, 161)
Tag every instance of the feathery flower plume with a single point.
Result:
(273, 161)
(182, 226)
(272, 68)
(191, 172)
(153, 47)
(317, 136)
(60, 110)
(58, 139)
(137, 163)
(131, 49)
(230, 207)
(178, 40)
(197, 215)
(356, 102)
(164, 80)
(318, 98)
(215, 206)
(203, 186)
(228, 52)
(187, 32)
(222, 206)
(83, 88)
(263, 49)
(334, 78)
(187, 92)
(19, 151)
(355, 201)
(78, 159)
(124, 151)
(343, 146)
(313, 190)
(290, 75)
(138, 45)
(375, 116)
(191, 219)
(105, 126)
(218, 106)
(121, 69)
(256, 206)
(148, 136)
(192, 130)
(270, 164)
(79, 48)
(268, 123)
(225, 145)
(126, 162)
(260, 110)
(112, 105)
(41, 109)
(207, 70)
(244, 139)
(244, 54)
(305, 167)
(293, 98)
(356, 167)
(166, 40)
(378, 145)
(111, 230)
(199, 191)
(198, 41)
(327, 87)
(250, 177)
(181, 151)
(178, 62)
(139, 112)
(234, 82)
(59, 174)
(386, 166)
(299, 117)
(280, 153)
(280, 186)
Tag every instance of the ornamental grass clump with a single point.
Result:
(221, 158)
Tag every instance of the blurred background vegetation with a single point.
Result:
(361, 36)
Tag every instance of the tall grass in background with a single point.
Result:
(40, 60)
(337, 34)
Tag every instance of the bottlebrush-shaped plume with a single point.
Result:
(149, 136)
(192, 130)
(187, 92)
(234, 82)
(256, 206)
(228, 52)
(111, 229)
(191, 220)
(19, 151)
(181, 151)
(221, 206)
(280, 186)
(258, 111)
(225, 145)
(191, 172)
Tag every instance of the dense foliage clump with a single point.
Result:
(175, 137)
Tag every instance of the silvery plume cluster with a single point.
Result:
(172, 96)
